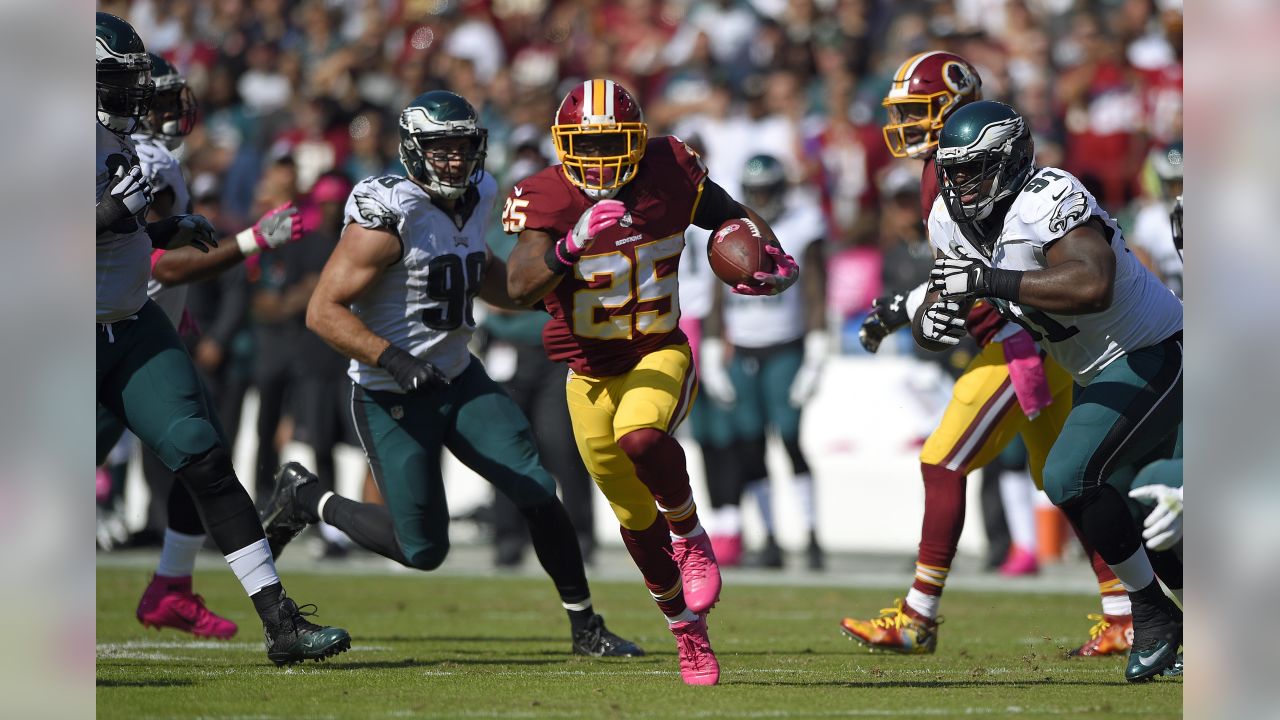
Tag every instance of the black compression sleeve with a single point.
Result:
(715, 207)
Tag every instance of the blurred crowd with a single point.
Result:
(299, 98)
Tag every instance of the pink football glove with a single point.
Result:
(277, 227)
(597, 218)
(784, 275)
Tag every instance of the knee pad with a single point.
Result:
(209, 474)
(429, 558)
(799, 465)
(187, 438)
(637, 444)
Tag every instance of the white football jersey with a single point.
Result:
(758, 321)
(697, 282)
(423, 303)
(124, 250)
(1143, 311)
(165, 173)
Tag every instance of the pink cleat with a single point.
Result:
(169, 602)
(698, 664)
(728, 549)
(698, 571)
(1020, 562)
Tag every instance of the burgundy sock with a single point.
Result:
(660, 465)
(651, 550)
(943, 521)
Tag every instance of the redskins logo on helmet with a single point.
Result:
(926, 89)
(600, 137)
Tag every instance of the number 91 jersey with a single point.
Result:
(621, 300)
(423, 302)
(1143, 311)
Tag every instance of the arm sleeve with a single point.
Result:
(715, 207)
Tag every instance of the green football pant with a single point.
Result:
(1127, 414)
(147, 383)
(403, 437)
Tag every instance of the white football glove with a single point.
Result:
(967, 277)
(943, 323)
(128, 195)
(805, 383)
(712, 375)
(1163, 527)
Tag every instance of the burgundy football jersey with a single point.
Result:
(621, 300)
(983, 322)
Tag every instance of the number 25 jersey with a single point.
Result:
(423, 302)
(620, 301)
(1143, 311)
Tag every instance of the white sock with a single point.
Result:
(578, 606)
(178, 554)
(1016, 490)
(763, 494)
(1135, 572)
(804, 494)
(729, 519)
(686, 616)
(320, 505)
(254, 566)
(695, 532)
(1116, 605)
(924, 603)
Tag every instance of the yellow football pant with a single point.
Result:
(656, 393)
(984, 415)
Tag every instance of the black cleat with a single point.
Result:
(596, 640)
(291, 638)
(770, 556)
(284, 518)
(1157, 634)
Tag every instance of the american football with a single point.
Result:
(456, 359)
(736, 252)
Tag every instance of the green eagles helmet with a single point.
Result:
(985, 154)
(124, 84)
(173, 111)
(429, 127)
(764, 186)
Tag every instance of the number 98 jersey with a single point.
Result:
(423, 302)
(621, 300)
(1143, 311)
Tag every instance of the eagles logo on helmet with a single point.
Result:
(600, 137)
(926, 89)
(123, 68)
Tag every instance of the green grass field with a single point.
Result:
(453, 647)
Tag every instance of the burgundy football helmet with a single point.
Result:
(926, 89)
(600, 136)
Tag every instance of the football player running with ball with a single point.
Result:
(1035, 243)
(600, 237)
(145, 378)
(396, 297)
(1008, 389)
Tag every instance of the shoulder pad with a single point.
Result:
(1053, 202)
(372, 203)
(543, 201)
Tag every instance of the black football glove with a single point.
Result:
(178, 231)
(410, 373)
(888, 314)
